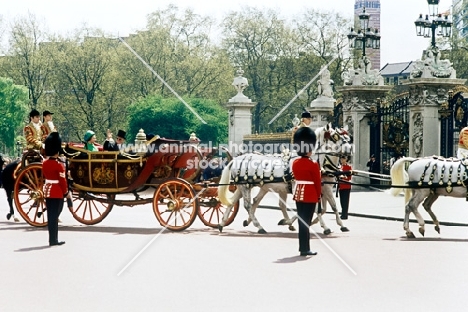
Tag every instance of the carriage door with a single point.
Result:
(453, 117)
(389, 130)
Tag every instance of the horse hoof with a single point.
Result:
(220, 228)
(437, 228)
(421, 231)
(292, 228)
(262, 231)
(327, 232)
(245, 223)
(39, 214)
(410, 235)
(282, 222)
(344, 229)
(8, 216)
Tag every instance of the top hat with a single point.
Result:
(34, 113)
(88, 135)
(53, 144)
(372, 156)
(306, 114)
(46, 112)
(121, 134)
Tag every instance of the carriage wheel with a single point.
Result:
(211, 211)
(29, 197)
(90, 208)
(175, 204)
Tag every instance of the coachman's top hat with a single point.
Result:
(34, 113)
(53, 144)
(46, 112)
(121, 134)
(306, 114)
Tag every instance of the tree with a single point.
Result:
(169, 118)
(13, 109)
(25, 61)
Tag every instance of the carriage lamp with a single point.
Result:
(365, 37)
(428, 26)
(18, 146)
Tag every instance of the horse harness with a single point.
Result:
(447, 164)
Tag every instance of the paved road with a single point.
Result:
(371, 268)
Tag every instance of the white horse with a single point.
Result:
(269, 172)
(427, 178)
(331, 144)
(327, 137)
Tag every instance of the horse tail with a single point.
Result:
(400, 177)
(224, 194)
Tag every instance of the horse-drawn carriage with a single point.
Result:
(100, 180)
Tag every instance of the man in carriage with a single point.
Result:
(47, 124)
(33, 131)
(462, 151)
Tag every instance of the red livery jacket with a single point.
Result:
(308, 180)
(55, 185)
(345, 186)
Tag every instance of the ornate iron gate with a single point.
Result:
(389, 130)
(454, 117)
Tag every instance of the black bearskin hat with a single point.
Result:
(53, 144)
(304, 140)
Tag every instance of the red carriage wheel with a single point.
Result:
(90, 208)
(175, 205)
(29, 197)
(211, 211)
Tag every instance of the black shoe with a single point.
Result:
(308, 253)
(344, 218)
(56, 243)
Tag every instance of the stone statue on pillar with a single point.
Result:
(363, 74)
(431, 66)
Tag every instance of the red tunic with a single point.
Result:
(308, 180)
(55, 185)
(345, 186)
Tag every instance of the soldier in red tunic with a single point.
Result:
(308, 185)
(55, 185)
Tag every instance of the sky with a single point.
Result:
(399, 42)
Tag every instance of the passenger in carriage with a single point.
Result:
(89, 139)
(118, 144)
(308, 185)
(213, 170)
(33, 131)
(47, 124)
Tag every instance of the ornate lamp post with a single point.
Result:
(427, 27)
(365, 37)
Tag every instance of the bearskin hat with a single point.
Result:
(53, 144)
(304, 140)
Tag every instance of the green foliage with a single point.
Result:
(170, 118)
(13, 109)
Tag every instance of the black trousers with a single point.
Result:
(305, 212)
(54, 208)
(344, 202)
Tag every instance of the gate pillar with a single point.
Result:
(240, 116)
(427, 98)
(360, 106)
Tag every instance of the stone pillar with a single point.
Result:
(240, 116)
(321, 109)
(426, 96)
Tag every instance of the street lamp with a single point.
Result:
(426, 27)
(365, 37)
